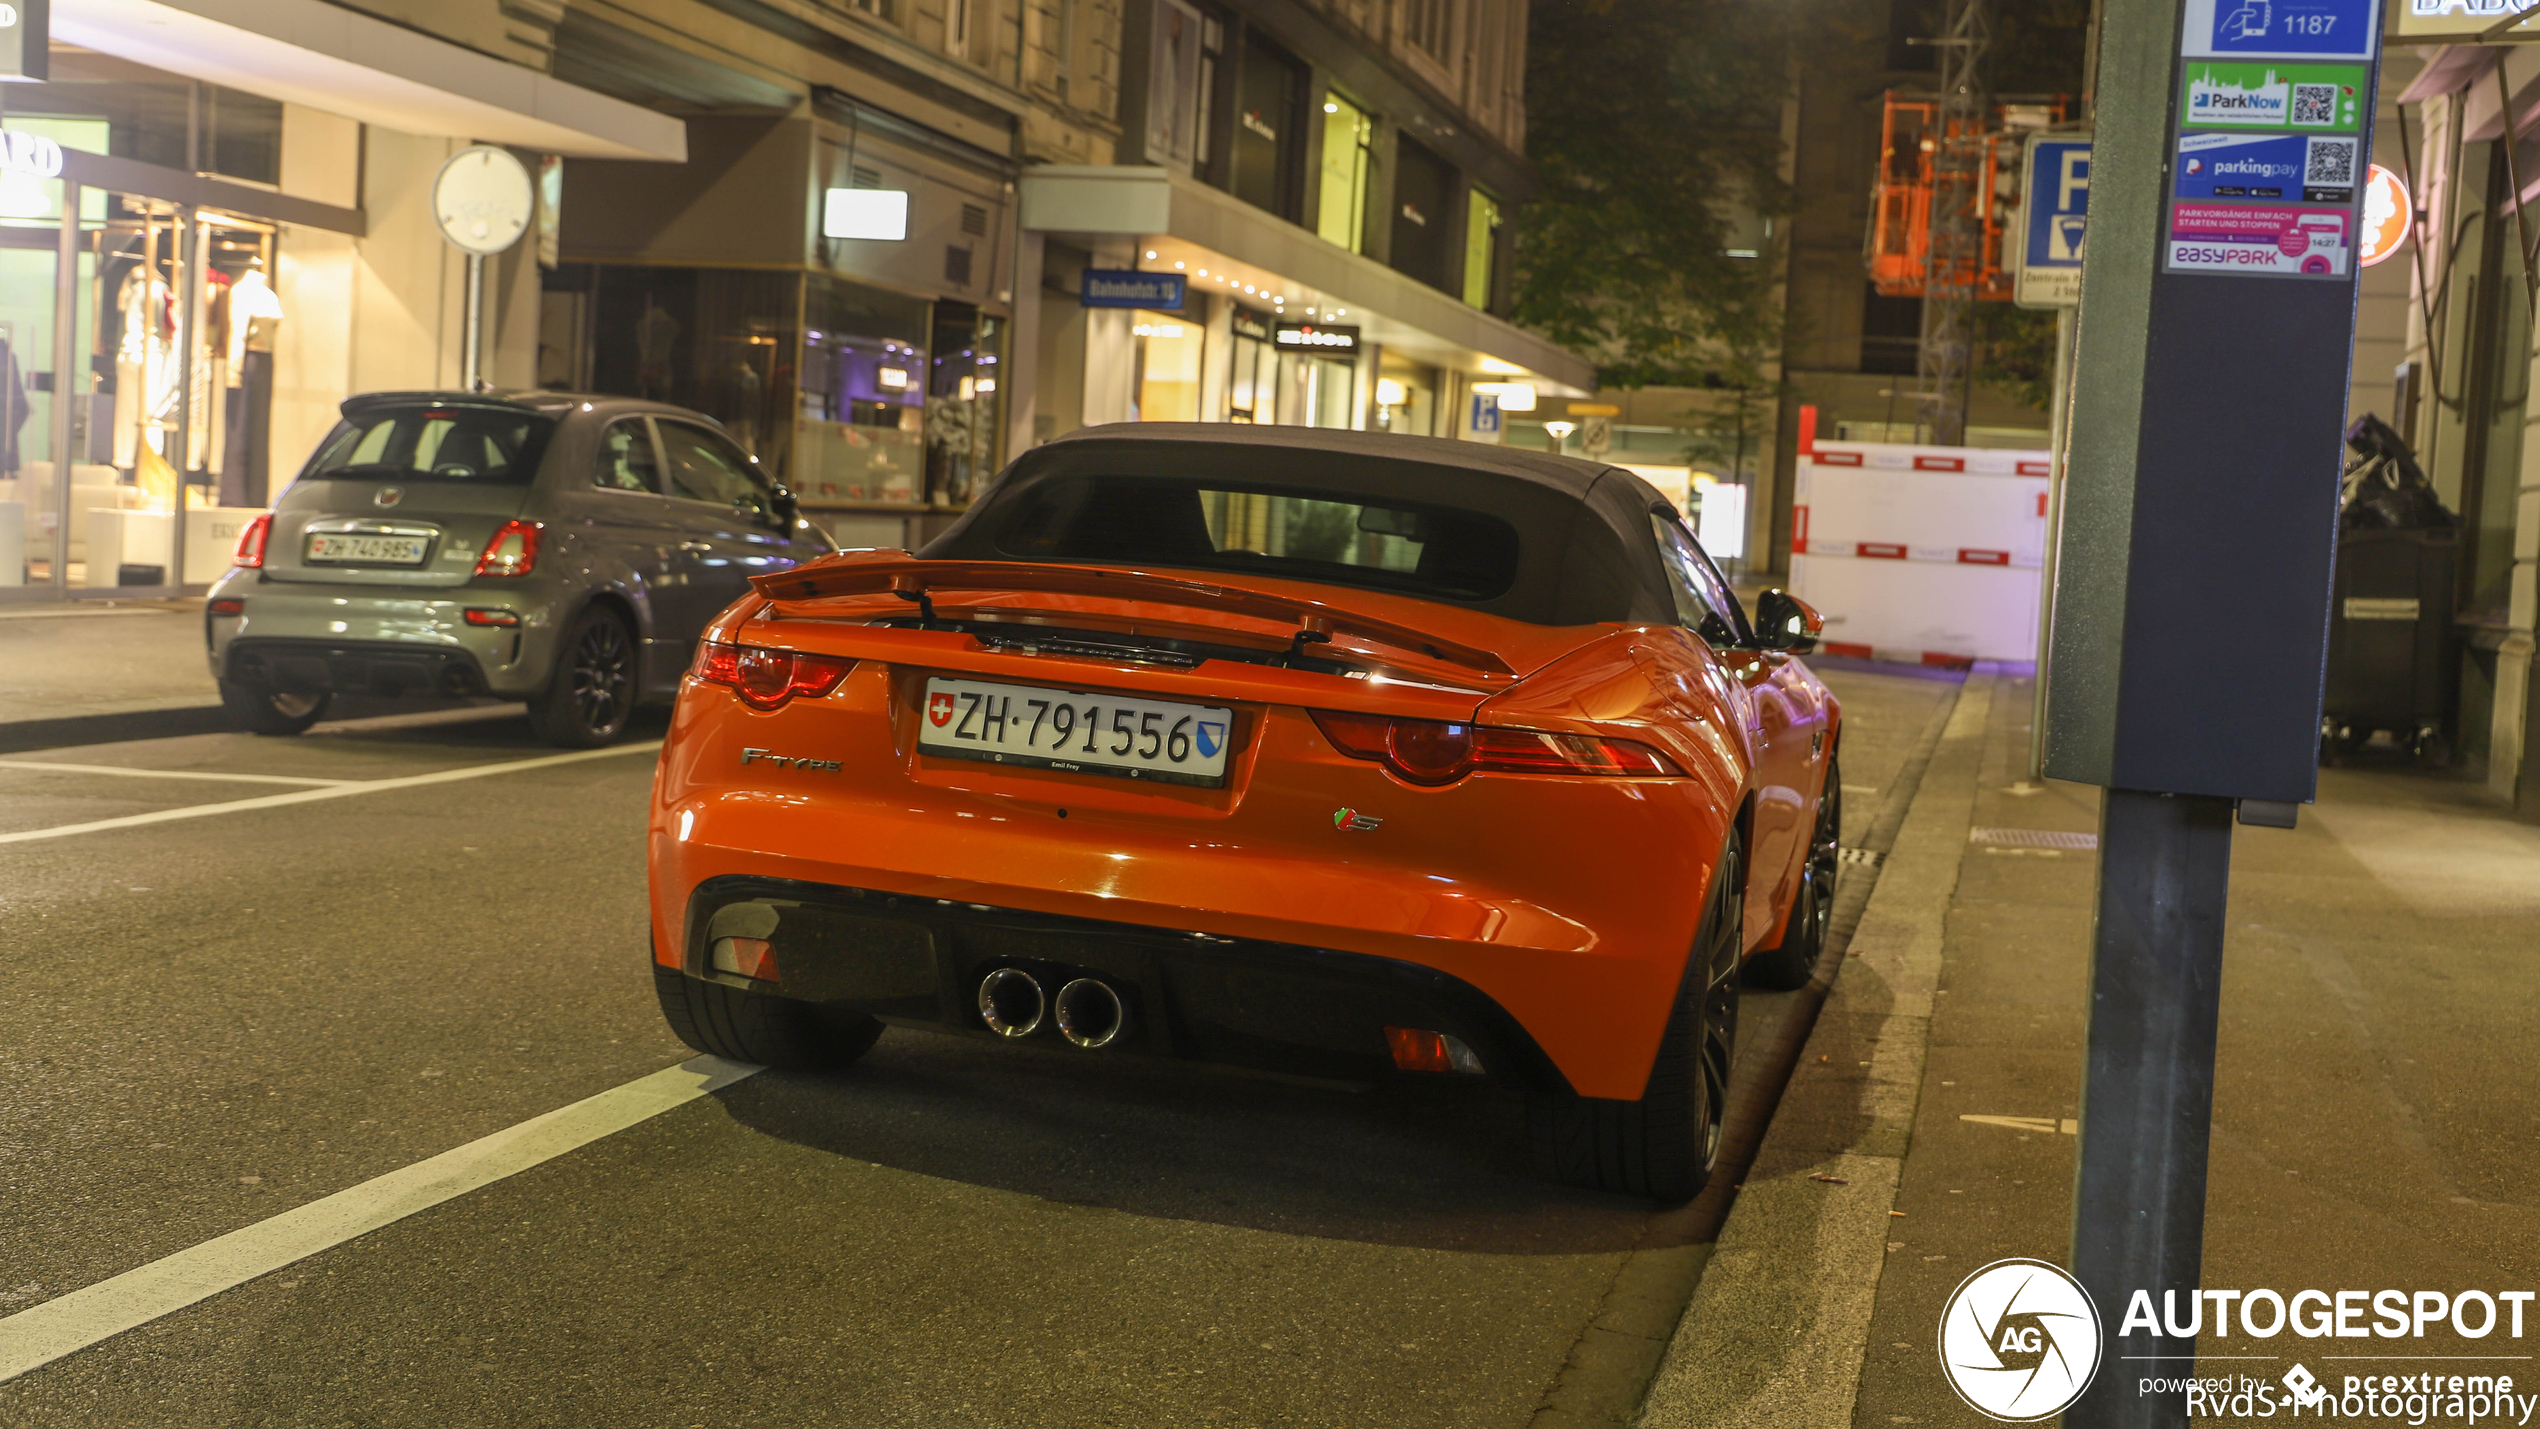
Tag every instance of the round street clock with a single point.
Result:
(483, 200)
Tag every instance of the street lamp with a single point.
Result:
(1560, 432)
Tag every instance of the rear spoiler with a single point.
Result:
(913, 578)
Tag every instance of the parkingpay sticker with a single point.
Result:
(2233, 94)
(2305, 168)
(2260, 238)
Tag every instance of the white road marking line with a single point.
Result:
(167, 773)
(73, 1322)
(335, 791)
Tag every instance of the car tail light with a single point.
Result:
(513, 551)
(750, 957)
(1433, 752)
(1416, 1049)
(251, 543)
(765, 679)
(504, 618)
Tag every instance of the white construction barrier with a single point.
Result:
(1922, 555)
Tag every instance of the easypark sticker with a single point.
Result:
(2259, 238)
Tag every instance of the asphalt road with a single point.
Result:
(211, 1019)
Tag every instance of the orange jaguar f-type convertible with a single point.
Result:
(1326, 753)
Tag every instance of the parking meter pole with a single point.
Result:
(471, 342)
(2148, 1084)
(2059, 431)
(2200, 496)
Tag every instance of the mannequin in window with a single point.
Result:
(255, 317)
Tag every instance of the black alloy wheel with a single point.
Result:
(1790, 965)
(592, 691)
(1665, 1144)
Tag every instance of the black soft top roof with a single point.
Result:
(1586, 553)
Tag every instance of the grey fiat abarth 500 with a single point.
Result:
(560, 549)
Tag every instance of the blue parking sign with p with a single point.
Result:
(2057, 199)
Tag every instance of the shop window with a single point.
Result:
(1348, 133)
(1481, 247)
(1252, 383)
(1424, 187)
(1266, 131)
(1167, 379)
(160, 118)
(963, 404)
(1406, 398)
(863, 400)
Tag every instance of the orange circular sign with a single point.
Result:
(2386, 214)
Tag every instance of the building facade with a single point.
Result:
(857, 232)
(2456, 376)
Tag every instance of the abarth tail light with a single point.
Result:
(765, 679)
(251, 543)
(513, 550)
(1432, 752)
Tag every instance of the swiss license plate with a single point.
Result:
(1075, 731)
(367, 550)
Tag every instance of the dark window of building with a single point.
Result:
(242, 135)
(1891, 333)
(1269, 127)
(130, 111)
(1430, 27)
(1423, 214)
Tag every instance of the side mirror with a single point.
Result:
(788, 510)
(1785, 622)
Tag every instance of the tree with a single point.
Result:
(1656, 125)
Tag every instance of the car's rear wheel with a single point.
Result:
(277, 712)
(761, 1027)
(592, 691)
(1665, 1144)
(1812, 908)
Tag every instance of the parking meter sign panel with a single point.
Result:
(2057, 198)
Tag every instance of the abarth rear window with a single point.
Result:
(421, 443)
(1337, 538)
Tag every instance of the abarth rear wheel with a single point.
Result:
(753, 1026)
(592, 691)
(1664, 1145)
(1790, 965)
(274, 712)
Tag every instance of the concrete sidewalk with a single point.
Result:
(107, 670)
(2376, 1116)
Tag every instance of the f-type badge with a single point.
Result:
(1350, 821)
(815, 766)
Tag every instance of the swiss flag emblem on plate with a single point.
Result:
(939, 710)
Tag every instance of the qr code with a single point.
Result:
(2332, 163)
(2314, 104)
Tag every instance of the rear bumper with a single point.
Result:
(1569, 905)
(1236, 1002)
(357, 640)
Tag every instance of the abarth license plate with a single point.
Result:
(341, 549)
(1077, 732)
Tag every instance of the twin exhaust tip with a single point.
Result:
(1088, 1012)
